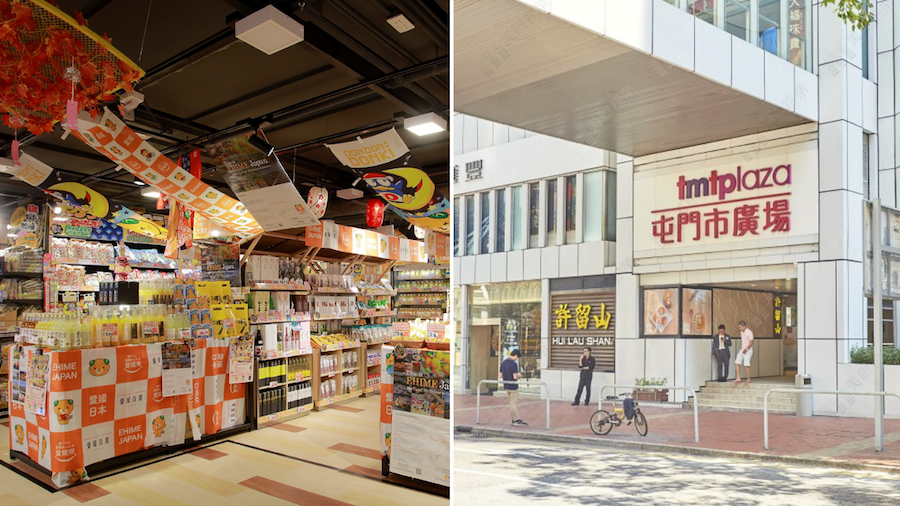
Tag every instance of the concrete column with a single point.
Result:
(465, 323)
(545, 323)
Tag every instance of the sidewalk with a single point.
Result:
(833, 440)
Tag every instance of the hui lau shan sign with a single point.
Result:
(579, 319)
(754, 199)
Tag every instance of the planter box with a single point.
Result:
(650, 395)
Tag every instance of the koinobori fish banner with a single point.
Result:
(90, 204)
(389, 169)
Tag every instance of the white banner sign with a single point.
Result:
(371, 151)
(420, 447)
(758, 199)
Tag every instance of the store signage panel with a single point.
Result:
(763, 198)
(579, 320)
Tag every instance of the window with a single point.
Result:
(737, 18)
(517, 239)
(865, 43)
(534, 215)
(770, 26)
(456, 226)
(593, 206)
(551, 212)
(609, 211)
(500, 243)
(470, 225)
(887, 322)
(485, 222)
(865, 167)
(704, 9)
(570, 209)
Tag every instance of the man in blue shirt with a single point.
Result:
(509, 369)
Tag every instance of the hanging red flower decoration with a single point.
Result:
(38, 42)
(374, 213)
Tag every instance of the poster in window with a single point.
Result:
(661, 312)
(696, 312)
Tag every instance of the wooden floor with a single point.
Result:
(326, 459)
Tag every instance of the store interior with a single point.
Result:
(239, 309)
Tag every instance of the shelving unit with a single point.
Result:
(422, 293)
(340, 376)
(264, 403)
(6, 339)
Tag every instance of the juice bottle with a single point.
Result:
(68, 333)
(96, 329)
(107, 329)
(171, 326)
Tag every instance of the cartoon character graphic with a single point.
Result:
(240, 209)
(110, 125)
(387, 441)
(98, 367)
(210, 195)
(197, 416)
(159, 424)
(116, 151)
(80, 197)
(20, 435)
(89, 137)
(63, 409)
(147, 155)
(43, 446)
(405, 188)
(179, 176)
(75, 476)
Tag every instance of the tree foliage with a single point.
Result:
(856, 13)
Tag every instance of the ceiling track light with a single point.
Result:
(257, 142)
(425, 124)
(138, 181)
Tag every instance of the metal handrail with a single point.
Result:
(501, 382)
(807, 391)
(661, 387)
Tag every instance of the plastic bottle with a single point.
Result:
(96, 330)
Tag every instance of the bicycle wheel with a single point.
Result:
(640, 423)
(600, 423)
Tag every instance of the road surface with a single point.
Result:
(496, 471)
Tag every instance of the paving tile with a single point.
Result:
(208, 454)
(348, 409)
(289, 493)
(288, 427)
(84, 493)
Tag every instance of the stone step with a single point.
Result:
(747, 396)
(746, 386)
(738, 406)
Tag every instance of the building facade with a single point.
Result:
(742, 140)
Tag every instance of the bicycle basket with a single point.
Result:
(628, 405)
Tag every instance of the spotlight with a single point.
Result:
(150, 192)
(57, 210)
(425, 124)
(138, 181)
(266, 148)
(214, 233)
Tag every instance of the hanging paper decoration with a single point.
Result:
(388, 168)
(317, 200)
(420, 232)
(374, 213)
(42, 49)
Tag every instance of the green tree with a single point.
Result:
(856, 13)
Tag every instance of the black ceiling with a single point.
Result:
(352, 75)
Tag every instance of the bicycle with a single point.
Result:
(602, 421)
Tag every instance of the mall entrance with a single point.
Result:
(485, 354)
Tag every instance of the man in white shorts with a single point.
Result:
(746, 353)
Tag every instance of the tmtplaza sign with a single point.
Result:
(755, 199)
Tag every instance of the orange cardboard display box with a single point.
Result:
(107, 402)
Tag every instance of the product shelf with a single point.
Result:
(37, 275)
(335, 401)
(283, 416)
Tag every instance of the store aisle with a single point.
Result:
(325, 459)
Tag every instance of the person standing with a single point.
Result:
(721, 351)
(509, 369)
(746, 352)
(586, 365)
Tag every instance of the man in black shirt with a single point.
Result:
(509, 369)
(586, 364)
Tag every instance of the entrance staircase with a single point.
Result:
(729, 396)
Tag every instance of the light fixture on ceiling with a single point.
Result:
(150, 192)
(401, 23)
(266, 148)
(425, 124)
(138, 181)
(269, 30)
(143, 135)
(214, 233)
(57, 210)
(350, 194)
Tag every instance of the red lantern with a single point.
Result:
(374, 213)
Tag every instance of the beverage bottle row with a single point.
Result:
(299, 394)
(271, 401)
(56, 331)
(271, 371)
(299, 367)
(136, 325)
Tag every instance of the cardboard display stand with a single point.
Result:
(103, 403)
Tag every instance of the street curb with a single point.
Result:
(663, 448)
